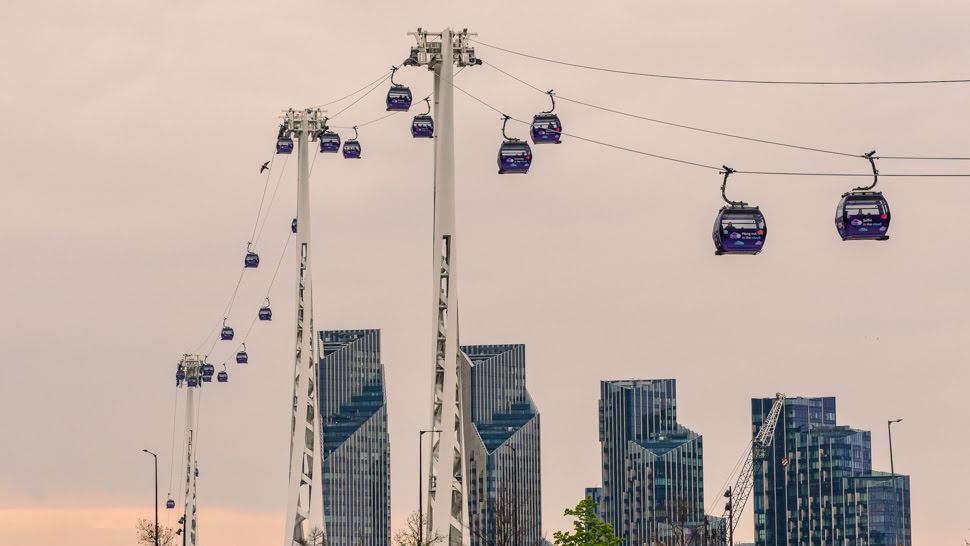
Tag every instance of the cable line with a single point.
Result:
(273, 198)
(702, 165)
(718, 80)
(272, 283)
(923, 158)
(345, 97)
(360, 98)
(672, 124)
(385, 116)
(259, 211)
(881, 174)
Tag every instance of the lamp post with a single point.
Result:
(421, 484)
(892, 471)
(156, 493)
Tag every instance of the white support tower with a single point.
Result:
(192, 366)
(305, 126)
(446, 510)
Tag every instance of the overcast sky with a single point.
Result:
(132, 137)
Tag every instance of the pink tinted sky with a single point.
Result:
(132, 138)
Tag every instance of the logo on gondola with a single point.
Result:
(735, 235)
(856, 222)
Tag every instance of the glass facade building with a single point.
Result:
(653, 476)
(501, 448)
(816, 485)
(355, 447)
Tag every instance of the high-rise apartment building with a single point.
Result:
(653, 474)
(501, 448)
(355, 446)
(816, 485)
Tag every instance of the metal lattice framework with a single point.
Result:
(305, 435)
(446, 510)
(759, 448)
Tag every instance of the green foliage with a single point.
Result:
(588, 529)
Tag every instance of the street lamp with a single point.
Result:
(892, 471)
(156, 493)
(421, 484)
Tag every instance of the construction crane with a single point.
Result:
(737, 496)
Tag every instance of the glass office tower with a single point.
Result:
(355, 446)
(816, 485)
(653, 477)
(501, 448)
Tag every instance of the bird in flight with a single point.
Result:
(264, 167)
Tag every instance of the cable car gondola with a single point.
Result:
(863, 214)
(352, 147)
(223, 377)
(546, 127)
(284, 143)
(739, 228)
(293, 226)
(192, 381)
(179, 376)
(329, 140)
(208, 370)
(398, 96)
(227, 332)
(265, 313)
(170, 504)
(242, 357)
(514, 156)
(252, 259)
(423, 124)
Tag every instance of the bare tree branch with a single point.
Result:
(411, 535)
(145, 533)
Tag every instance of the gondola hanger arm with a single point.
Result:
(727, 172)
(871, 156)
(552, 97)
(505, 120)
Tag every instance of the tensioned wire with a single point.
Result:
(702, 165)
(718, 80)
(385, 116)
(702, 130)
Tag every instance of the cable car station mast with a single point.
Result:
(305, 125)
(191, 367)
(446, 490)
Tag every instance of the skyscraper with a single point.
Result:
(356, 450)
(816, 485)
(653, 476)
(501, 448)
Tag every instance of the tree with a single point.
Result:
(315, 537)
(589, 530)
(145, 533)
(411, 534)
(509, 527)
